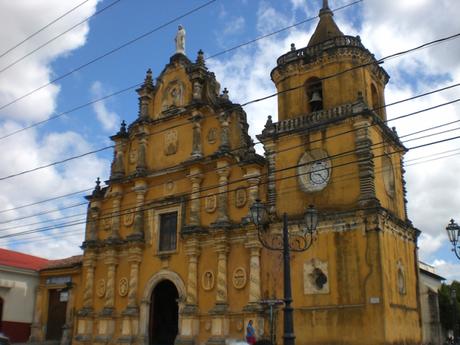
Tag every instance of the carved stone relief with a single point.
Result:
(315, 277)
(239, 278)
(107, 223)
(207, 280)
(169, 187)
(123, 287)
(171, 142)
(212, 135)
(128, 219)
(173, 95)
(240, 197)
(210, 203)
(100, 288)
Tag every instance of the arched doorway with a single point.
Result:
(164, 314)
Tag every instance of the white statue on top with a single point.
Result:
(180, 40)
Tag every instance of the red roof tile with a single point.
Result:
(63, 263)
(19, 260)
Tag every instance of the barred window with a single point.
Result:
(168, 231)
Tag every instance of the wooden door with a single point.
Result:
(56, 316)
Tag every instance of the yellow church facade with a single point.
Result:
(170, 252)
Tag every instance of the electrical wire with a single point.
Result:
(42, 28)
(110, 52)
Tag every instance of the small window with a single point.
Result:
(314, 91)
(376, 105)
(168, 231)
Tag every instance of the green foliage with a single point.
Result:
(446, 307)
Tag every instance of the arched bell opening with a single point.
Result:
(314, 90)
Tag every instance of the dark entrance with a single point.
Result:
(56, 315)
(1, 313)
(164, 318)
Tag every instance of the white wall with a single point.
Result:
(17, 289)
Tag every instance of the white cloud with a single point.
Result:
(30, 149)
(447, 270)
(108, 119)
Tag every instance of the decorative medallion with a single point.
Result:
(123, 287)
(133, 156)
(388, 175)
(100, 288)
(207, 280)
(314, 170)
(239, 278)
(210, 203)
(128, 219)
(240, 197)
(169, 187)
(171, 142)
(212, 135)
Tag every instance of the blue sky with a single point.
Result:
(385, 27)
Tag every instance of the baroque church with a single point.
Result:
(171, 254)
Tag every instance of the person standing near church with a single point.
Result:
(250, 334)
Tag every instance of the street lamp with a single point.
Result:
(294, 242)
(453, 231)
(453, 296)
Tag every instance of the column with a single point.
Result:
(197, 151)
(93, 214)
(134, 259)
(68, 326)
(141, 165)
(252, 177)
(116, 207)
(221, 280)
(89, 264)
(111, 262)
(365, 157)
(223, 170)
(36, 334)
(195, 203)
(192, 250)
(140, 189)
(224, 119)
(270, 154)
(118, 165)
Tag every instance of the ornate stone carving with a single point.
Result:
(239, 278)
(197, 90)
(240, 197)
(315, 277)
(180, 40)
(207, 280)
(223, 171)
(195, 203)
(212, 135)
(89, 265)
(123, 287)
(106, 222)
(197, 150)
(100, 288)
(192, 251)
(173, 95)
(210, 203)
(169, 187)
(171, 142)
(128, 219)
(221, 293)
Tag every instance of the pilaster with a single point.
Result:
(196, 177)
(270, 154)
(197, 150)
(223, 171)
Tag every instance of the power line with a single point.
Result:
(110, 52)
(43, 28)
(15, 62)
(228, 191)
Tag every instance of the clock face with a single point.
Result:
(314, 170)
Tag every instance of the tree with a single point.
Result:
(446, 307)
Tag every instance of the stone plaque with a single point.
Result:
(171, 142)
(170, 186)
(315, 277)
(212, 135)
(123, 287)
(128, 219)
(239, 278)
(207, 280)
(240, 197)
(100, 288)
(210, 203)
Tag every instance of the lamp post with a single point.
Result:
(453, 232)
(301, 243)
(453, 296)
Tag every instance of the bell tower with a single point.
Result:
(331, 148)
(330, 71)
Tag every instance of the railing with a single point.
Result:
(337, 42)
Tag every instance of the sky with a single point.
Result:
(385, 27)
